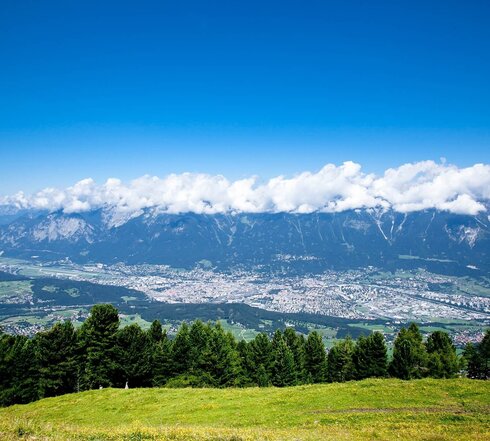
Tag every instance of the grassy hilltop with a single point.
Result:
(367, 410)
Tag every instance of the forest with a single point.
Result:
(102, 354)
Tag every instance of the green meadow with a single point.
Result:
(431, 410)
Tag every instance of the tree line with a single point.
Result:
(101, 354)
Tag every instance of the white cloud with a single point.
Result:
(410, 187)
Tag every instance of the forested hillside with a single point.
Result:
(101, 354)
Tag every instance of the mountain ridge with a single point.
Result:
(316, 241)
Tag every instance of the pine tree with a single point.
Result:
(134, 356)
(409, 354)
(484, 351)
(283, 368)
(181, 350)
(199, 338)
(155, 333)
(340, 366)
(315, 358)
(223, 361)
(443, 361)
(20, 370)
(261, 355)
(246, 369)
(370, 356)
(297, 345)
(97, 340)
(477, 358)
(163, 366)
(56, 355)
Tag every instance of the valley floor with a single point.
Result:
(434, 410)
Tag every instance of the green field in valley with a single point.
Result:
(432, 410)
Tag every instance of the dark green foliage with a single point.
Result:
(315, 358)
(19, 370)
(283, 367)
(98, 344)
(409, 355)
(134, 356)
(64, 360)
(155, 333)
(260, 360)
(181, 351)
(443, 361)
(162, 362)
(484, 351)
(477, 358)
(296, 342)
(200, 350)
(340, 366)
(56, 355)
(223, 362)
(370, 357)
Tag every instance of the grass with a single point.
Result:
(431, 410)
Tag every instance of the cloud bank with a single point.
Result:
(410, 187)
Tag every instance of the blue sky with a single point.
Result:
(100, 89)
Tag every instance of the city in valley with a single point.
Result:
(364, 294)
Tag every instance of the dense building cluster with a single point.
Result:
(101, 354)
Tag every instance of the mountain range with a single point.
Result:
(439, 240)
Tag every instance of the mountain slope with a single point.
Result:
(303, 242)
(370, 409)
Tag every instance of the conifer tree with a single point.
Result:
(134, 356)
(246, 370)
(370, 356)
(340, 366)
(261, 355)
(199, 338)
(223, 360)
(181, 350)
(98, 346)
(315, 358)
(56, 355)
(477, 358)
(283, 368)
(163, 366)
(155, 333)
(443, 361)
(409, 354)
(20, 370)
(296, 343)
(484, 351)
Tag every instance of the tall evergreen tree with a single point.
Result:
(155, 333)
(484, 351)
(283, 368)
(315, 358)
(56, 355)
(477, 358)
(134, 353)
(200, 339)
(181, 350)
(443, 361)
(162, 363)
(409, 354)
(20, 369)
(296, 343)
(370, 356)
(98, 346)
(340, 366)
(261, 360)
(223, 362)
(246, 369)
